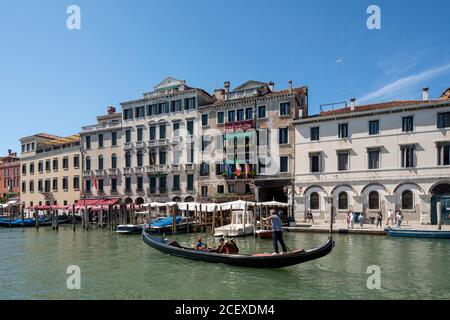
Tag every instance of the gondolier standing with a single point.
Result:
(277, 229)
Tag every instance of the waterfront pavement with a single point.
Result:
(340, 226)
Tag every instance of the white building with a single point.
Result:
(393, 155)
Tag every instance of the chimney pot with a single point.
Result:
(272, 86)
(425, 94)
(290, 86)
(111, 110)
(352, 103)
(226, 85)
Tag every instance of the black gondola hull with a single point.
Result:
(266, 261)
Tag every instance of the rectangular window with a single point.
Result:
(443, 154)
(128, 135)
(162, 184)
(24, 169)
(231, 116)
(261, 112)
(284, 108)
(162, 157)
(204, 191)
(240, 115)
(220, 117)
(40, 167)
(176, 129)
(315, 134)
(190, 182)
(343, 161)
(31, 168)
(65, 183)
(140, 183)
(315, 160)
(76, 183)
(65, 163)
(114, 139)
(374, 127)
(88, 142)
(127, 184)
(24, 187)
(162, 131)
(220, 169)
(189, 103)
(374, 158)
(140, 112)
(220, 189)
(443, 120)
(55, 184)
(343, 130)
(176, 105)
(100, 140)
(284, 164)
(190, 127)
(40, 186)
(140, 134)
(152, 185)
(176, 183)
(55, 164)
(408, 124)
(407, 156)
(31, 186)
(204, 120)
(152, 133)
(88, 186)
(113, 185)
(76, 162)
(127, 114)
(248, 113)
(283, 136)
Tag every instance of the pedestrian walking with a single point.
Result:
(399, 219)
(380, 219)
(352, 219)
(347, 218)
(361, 219)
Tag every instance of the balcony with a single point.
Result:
(161, 168)
(127, 146)
(113, 172)
(150, 169)
(176, 140)
(162, 142)
(177, 167)
(87, 173)
(140, 145)
(190, 167)
(99, 172)
(127, 171)
(151, 143)
(139, 170)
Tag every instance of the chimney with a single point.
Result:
(111, 110)
(425, 94)
(290, 86)
(9, 152)
(352, 104)
(226, 85)
(272, 86)
(219, 94)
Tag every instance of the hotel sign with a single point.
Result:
(240, 125)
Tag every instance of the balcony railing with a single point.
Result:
(86, 173)
(127, 146)
(177, 167)
(140, 145)
(127, 171)
(113, 172)
(150, 169)
(161, 168)
(139, 170)
(152, 143)
(99, 172)
(190, 167)
(162, 142)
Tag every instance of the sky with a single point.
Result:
(56, 80)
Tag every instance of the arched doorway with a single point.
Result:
(189, 199)
(128, 200)
(176, 199)
(440, 193)
(139, 201)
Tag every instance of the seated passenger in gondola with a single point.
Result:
(200, 245)
(221, 248)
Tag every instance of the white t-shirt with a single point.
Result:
(389, 213)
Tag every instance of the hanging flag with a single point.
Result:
(247, 169)
(95, 184)
(228, 169)
(238, 169)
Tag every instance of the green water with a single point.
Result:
(33, 266)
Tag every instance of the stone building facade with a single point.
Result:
(10, 175)
(393, 155)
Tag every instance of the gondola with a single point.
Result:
(28, 223)
(253, 261)
(129, 228)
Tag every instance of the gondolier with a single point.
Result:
(277, 231)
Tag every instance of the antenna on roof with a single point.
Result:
(332, 105)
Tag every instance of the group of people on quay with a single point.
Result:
(396, 218)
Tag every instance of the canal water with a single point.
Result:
(34, 263)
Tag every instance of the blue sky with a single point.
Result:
(56, 80)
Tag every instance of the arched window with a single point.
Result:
(314, 201)
(407, 200)
(140, 158)
(343, 201)
(100, 162)
(128, 160)
(113, 161)
(374, 200)
(88, 163)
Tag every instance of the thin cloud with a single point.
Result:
(401, 85)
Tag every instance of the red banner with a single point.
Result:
(240, 125)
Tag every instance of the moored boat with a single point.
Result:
(254, 261)
(165, 225)
(264, 234)
(129, 228)
(434, 234)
